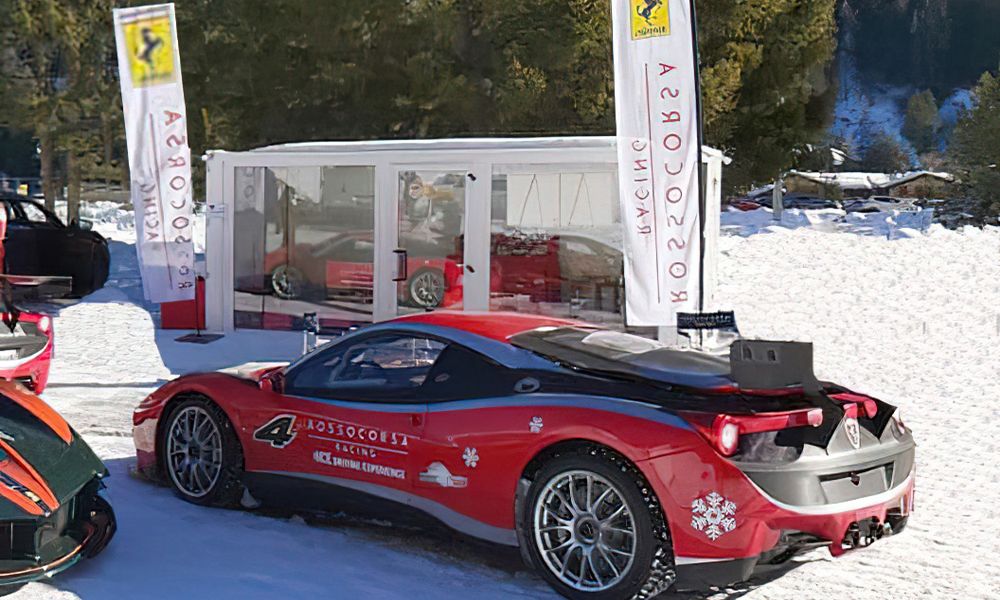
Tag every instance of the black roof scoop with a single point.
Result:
(767, 365)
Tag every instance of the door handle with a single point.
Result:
(402, 265)
(416, 420)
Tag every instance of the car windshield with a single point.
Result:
(624, 355)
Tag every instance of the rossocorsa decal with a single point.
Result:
(327, 458)
(351, 434)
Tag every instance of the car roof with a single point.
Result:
(496, 325)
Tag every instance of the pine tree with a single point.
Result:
(885, 155)
(56, 83)
(974, 146)
(921, 123)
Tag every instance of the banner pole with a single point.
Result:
(702, 196)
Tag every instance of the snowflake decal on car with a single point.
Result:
(471, 457)
(713, 515)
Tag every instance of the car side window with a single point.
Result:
(32, 213)
(461, 373)
(579, 248)
(380, 368)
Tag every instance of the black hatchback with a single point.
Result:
(38, 243)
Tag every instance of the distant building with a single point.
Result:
(918, 184)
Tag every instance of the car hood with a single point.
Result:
(43, 462)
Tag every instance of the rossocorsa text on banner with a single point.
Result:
(158, 154)
(656, 105)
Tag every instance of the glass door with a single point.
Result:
(429, 270)
(304, 243)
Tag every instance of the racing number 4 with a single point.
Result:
(278, 431)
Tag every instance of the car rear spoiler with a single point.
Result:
(36, 287)
(769, 365)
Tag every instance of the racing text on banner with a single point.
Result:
(659, 156)
(158, 153)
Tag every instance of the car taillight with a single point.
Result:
(727, 434)
(848, 399)
(723, 431)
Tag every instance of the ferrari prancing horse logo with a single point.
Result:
(853, 432)
(650, 18)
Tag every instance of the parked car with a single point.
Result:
(619, 466)
(26, 350)
(341, 266)
(547, 267)
(38, 243)
(26, 338)
(798, 200)
(879, 204)
(807, 202)
(54, 510)
(745, 204)
(551, 268)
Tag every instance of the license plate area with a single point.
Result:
(841, 487)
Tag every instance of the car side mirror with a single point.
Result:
(273, 381)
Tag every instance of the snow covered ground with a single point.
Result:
(914, 319)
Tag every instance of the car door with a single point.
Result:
(349, 266)
(55, 248)
(475, 441)
(349, 416)
(21, 242)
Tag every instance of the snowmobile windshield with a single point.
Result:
(625, 355)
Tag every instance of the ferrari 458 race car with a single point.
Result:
(53, 511)
(619, 466)
(26, 350)
(26, 339)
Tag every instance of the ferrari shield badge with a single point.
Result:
(650, 18)
(853, 432)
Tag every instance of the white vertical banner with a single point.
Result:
(158, 153)
(659, 155)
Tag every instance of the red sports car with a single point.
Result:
(620, 467)
(342, 266)
(26, 351)
(26, 339)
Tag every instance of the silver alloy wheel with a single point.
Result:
(427, 289)
(286, 281)
(194, 451)
(584, 531)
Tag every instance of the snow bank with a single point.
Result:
(881, 224)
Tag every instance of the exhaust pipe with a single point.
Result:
(860, 534)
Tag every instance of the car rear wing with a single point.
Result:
(769, 365)
(35, 287)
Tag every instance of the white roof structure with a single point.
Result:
(868, 181)
(487, 143)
